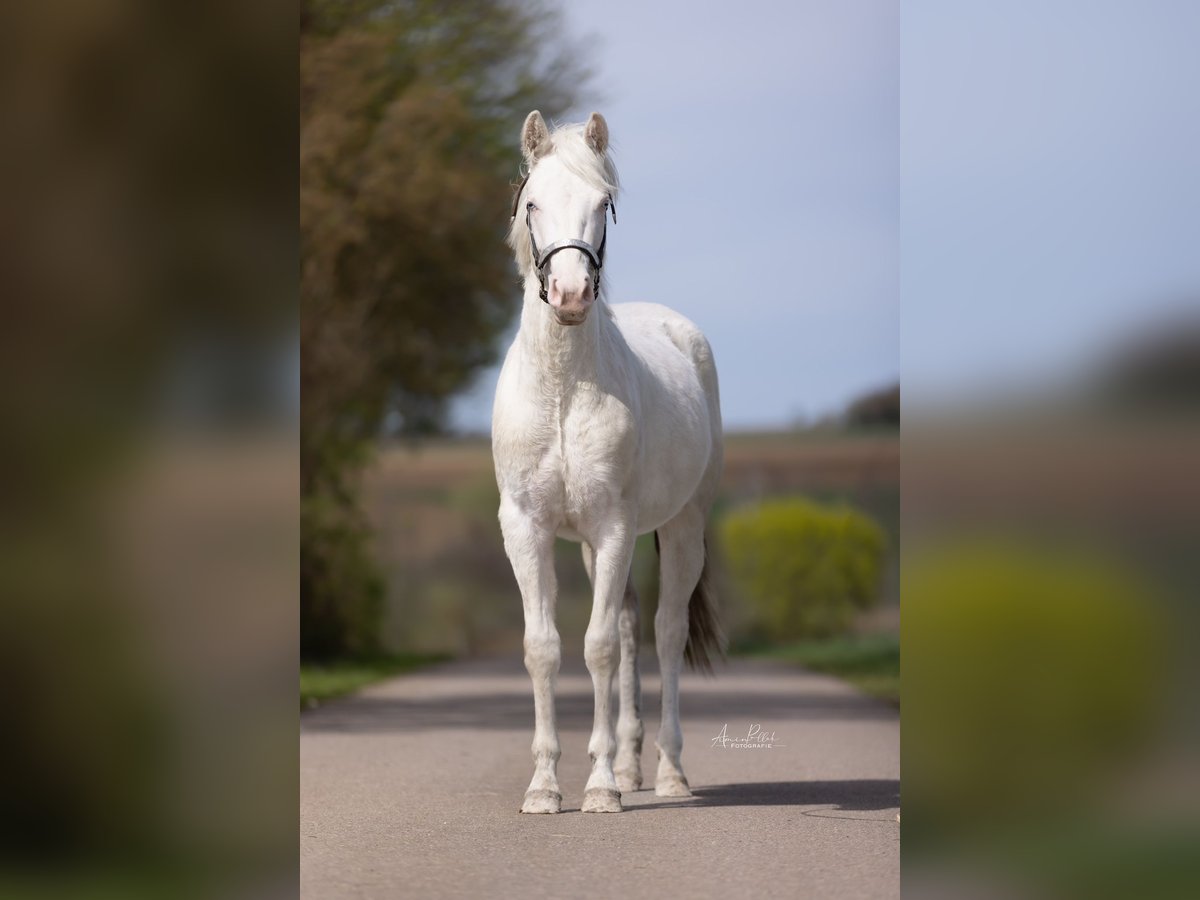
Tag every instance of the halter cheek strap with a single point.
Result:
(541, 258)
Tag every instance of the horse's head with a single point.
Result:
(559, 213)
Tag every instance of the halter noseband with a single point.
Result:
(541, 258)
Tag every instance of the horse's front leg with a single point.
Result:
(530, 548)
(602, 653)
(628, 762)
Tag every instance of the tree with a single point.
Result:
(409, 113)
(879, 408)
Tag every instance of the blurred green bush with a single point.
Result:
(1031, 672)
(806, 569)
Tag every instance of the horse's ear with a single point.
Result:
(596, 132)
(535, 137)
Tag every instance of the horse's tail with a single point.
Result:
(705, 642)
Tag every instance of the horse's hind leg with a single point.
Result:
(681, 548)
(628, 763)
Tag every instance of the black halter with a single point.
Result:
(541, 258)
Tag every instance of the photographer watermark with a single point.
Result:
(754, 739)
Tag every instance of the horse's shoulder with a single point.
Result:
(653, 320)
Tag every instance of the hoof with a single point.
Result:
(628, 782)
(542, 801)
(672, 787)
(602, 800)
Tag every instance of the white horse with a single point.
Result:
(606, 425)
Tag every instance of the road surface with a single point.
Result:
(411, 789)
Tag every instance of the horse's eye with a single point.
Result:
(530, 206)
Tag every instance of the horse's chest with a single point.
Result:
(578, 459)
(597, 445)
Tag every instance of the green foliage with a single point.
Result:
(341, 590)
(409, 120)
(871, 662)
(320, 682)
(806, 569)
(879, 408)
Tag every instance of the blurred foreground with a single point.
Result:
(147, 409)
(1051, 334)
(1051, 732)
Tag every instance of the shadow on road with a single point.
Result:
(865, 794)
(515, 710)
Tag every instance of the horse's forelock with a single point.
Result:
(597, 170)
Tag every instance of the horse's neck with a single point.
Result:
(562, 355)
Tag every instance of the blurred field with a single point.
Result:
(450, 589)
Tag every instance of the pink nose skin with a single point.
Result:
(570, 299)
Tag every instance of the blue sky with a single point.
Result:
(758, 152)
(1019, 179)
(1050, 189)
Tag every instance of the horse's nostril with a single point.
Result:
(571, 294)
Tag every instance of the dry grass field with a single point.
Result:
(450, 590)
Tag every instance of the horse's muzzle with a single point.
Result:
(572, 317)
(571, 306)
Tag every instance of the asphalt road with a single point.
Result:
(411, 789)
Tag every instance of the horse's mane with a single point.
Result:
(567, 142)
